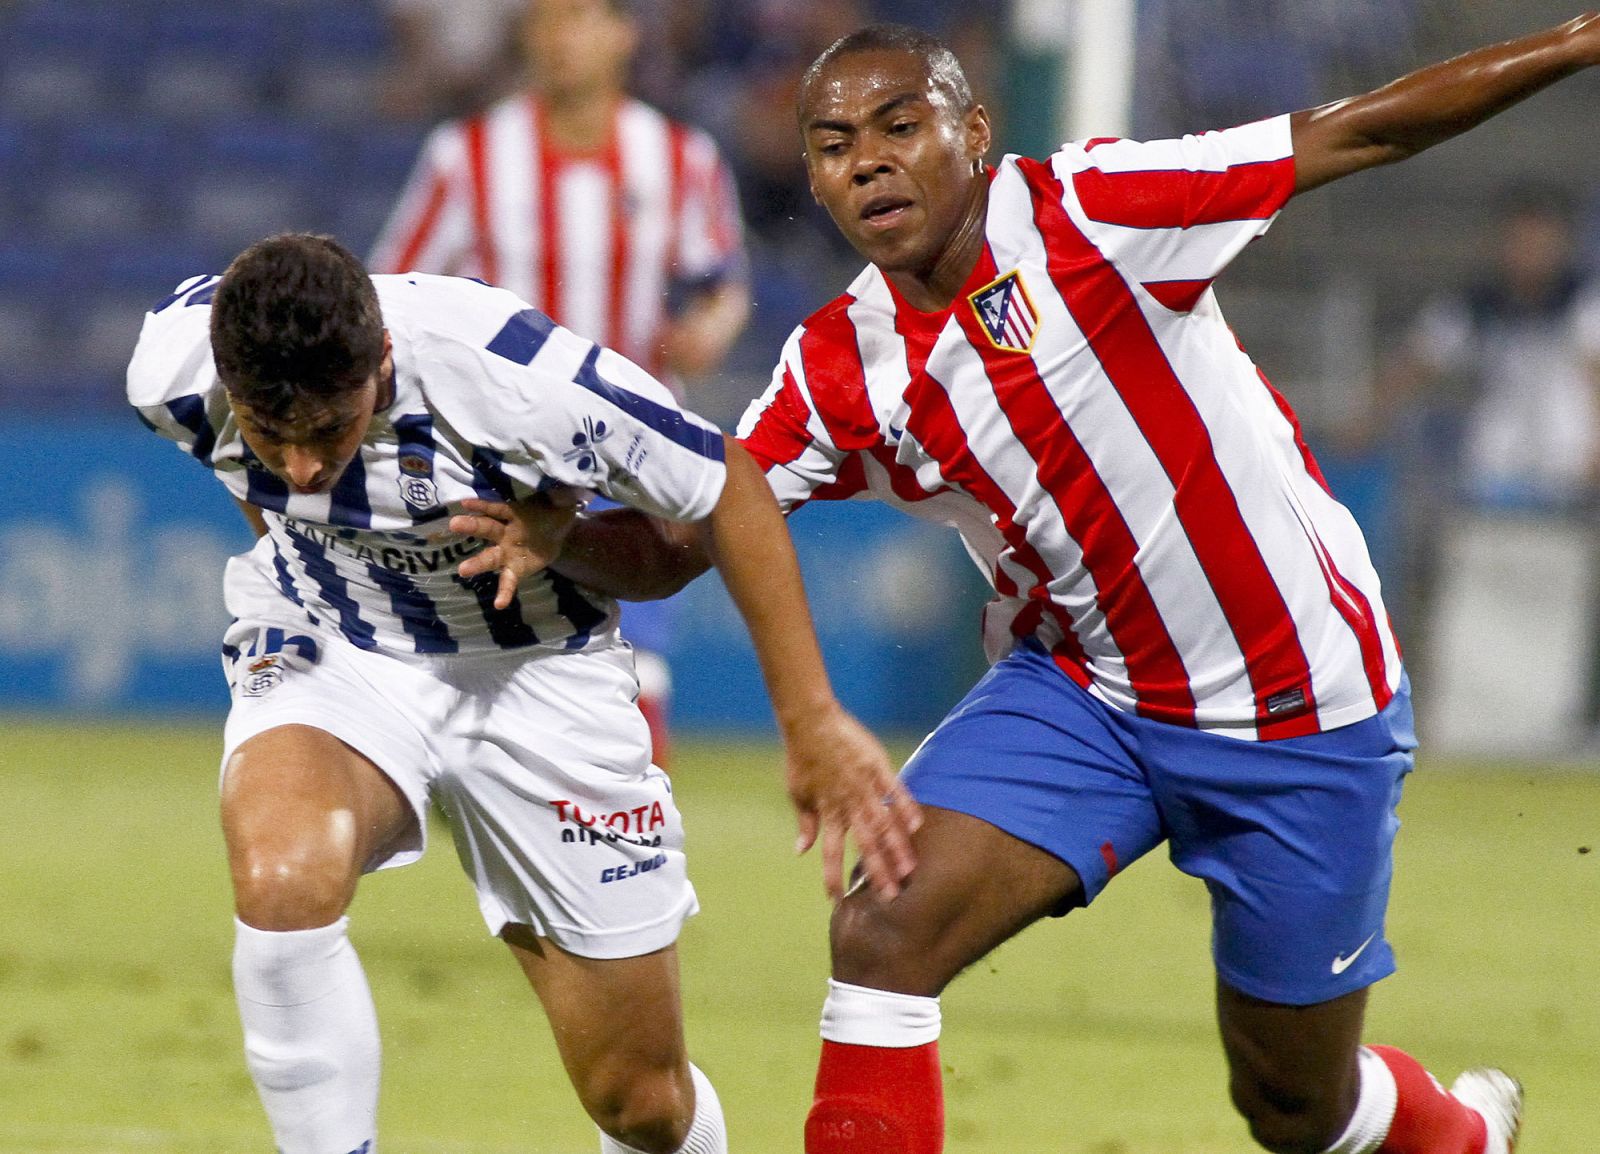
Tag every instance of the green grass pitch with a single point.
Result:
(1090, 1035)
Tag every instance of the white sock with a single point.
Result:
(310, 1037)
(707, 1133)
(859, 1016)
(1369, 1125)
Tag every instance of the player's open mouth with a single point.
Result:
(885, 211)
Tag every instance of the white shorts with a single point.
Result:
(540, 766)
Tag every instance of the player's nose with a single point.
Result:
(302, 466)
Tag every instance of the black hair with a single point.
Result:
(943, 70)
(295, 318)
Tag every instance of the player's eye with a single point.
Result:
(902, 127)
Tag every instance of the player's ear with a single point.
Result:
(979, 134)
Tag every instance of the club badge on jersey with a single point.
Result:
(256, 659)
(416, 482)
(1007, 314)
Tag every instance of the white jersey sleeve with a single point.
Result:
(1175, 213)
(555, 408)
(172, 381)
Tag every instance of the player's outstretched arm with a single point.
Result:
(1435, 103)
(840, 778)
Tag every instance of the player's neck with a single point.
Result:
(580, 122)
(933, 289)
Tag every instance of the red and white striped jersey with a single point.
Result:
(600, 242)
(1139, 496)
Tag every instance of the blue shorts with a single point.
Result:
(1293, 838)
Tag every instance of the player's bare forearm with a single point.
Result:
(633, 556)
(840, 778)
(1436, 103)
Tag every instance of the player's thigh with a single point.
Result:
(617, 1022)
(1033, 801)
(1292, 1070)
(303, 814)
(974, 887)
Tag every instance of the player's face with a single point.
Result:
(311, 447)
(890, 158)
(577, 48)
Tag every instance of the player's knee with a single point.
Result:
(290, 888)
(874, 944)
(649, 1110)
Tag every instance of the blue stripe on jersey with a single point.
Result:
(488, 479)
(265, 489)
(285, 579)
(575, 607)
(190, 412)
(523, 336)
(334, 589)
(669, 422)
(507, 629)
(349, 503)
(415, 433)
(526, 333)
(418, 614)
(207, 286)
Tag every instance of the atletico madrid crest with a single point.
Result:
(1006, 313)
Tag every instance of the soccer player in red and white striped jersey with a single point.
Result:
(612, 219)
(1188, 640)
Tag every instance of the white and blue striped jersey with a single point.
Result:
(491, 399)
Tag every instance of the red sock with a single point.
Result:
(877, 1100)
(1427, 1120)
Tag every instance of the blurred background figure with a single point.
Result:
(1518, 350)
(450, 57)
(617, 221)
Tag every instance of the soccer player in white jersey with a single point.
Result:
(1188, 639)
(618, 222)
(382, 658)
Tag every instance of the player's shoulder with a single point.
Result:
(642, 117)
(866, 297)
(172, 358)
(432, 307)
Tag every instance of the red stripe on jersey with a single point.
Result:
(1103, 308)
(1352, 605)
(830, 354)
(677, 139)
(780, 434)
(1097, 141)
(850, 480)
(1181, 198)
(615, 333)
(1178, 295)
(549, 227)
(478, 180)
(902, 480)
(937, 428)
(1306, 456)
(438, 193)
(1110, 553)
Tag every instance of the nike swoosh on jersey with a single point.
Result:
(1341, 964)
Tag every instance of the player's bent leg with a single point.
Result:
(1306, 1086)
(302, 814)
(1293, 1070)
(618, 1025)
(878, 1083)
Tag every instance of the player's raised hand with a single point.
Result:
(841, 781)
(524, 537)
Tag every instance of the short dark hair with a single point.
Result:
(943, 70)
(295, 318)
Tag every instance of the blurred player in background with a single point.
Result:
(1188, 639)
(612, 219)
(377, 663)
